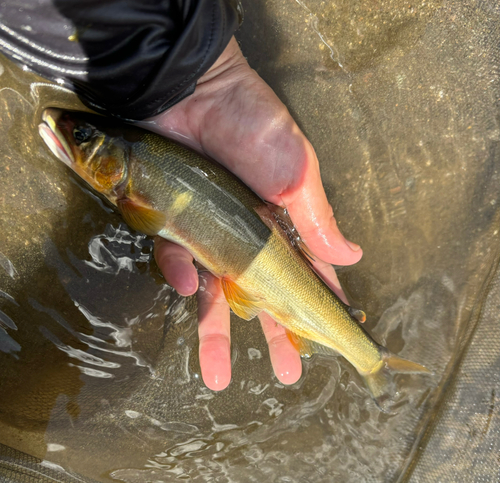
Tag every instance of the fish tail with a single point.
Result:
(380, 381)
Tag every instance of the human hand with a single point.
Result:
(234, 117)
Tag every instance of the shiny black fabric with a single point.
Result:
(128, 58)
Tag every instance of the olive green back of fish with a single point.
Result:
(206, 209)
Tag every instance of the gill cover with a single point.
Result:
(86, 149)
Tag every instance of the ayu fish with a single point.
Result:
(162, 188)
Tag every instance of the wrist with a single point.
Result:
(231, 58)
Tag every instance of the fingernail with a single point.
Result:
(352, 246)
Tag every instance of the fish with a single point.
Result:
(163, 188)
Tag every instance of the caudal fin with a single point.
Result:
(381, 383)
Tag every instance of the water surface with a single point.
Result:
(98, 356)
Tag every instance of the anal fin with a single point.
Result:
(307, 347)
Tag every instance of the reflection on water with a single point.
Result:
(99, 369)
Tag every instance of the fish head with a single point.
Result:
(84, 143)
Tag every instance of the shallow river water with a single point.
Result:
(99, 372)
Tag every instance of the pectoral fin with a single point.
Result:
(243, 304)
(140, 217)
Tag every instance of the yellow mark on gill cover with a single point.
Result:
(181, 202)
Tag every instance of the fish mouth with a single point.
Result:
(54, 137)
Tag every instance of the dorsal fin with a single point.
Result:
(285, 222)
(140, 217)
(243, 304)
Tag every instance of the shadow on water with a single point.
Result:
(99, 370)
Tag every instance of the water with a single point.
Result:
(98, 356)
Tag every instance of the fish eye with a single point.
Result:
(82, 134)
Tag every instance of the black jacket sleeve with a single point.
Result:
(128, 58)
